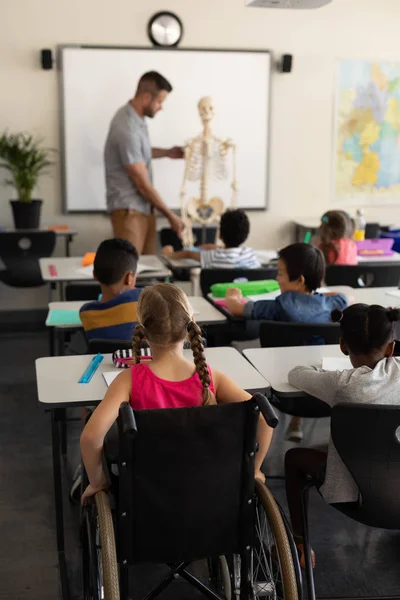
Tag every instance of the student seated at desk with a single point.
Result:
(234, 231)
(301, 269)
(114, 315)
(367, 337)
(335, 238)
(165, 321)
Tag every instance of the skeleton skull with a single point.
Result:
(206, 109)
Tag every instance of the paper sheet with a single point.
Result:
(63, 317)
(109, 376)
(330, 363)
(86, 271)
(141, 268)
(394, 293)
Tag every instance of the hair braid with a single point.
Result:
(138, 337)
(197, 347)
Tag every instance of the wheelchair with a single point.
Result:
(182, 494)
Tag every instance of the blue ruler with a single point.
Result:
(91, 369)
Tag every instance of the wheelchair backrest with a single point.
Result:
(186, 480)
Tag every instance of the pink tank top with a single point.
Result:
(149, 391)
(347, 250)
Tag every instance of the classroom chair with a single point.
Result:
(108, 346)
(168, 237)
(185, 492)
(367, 438)
(20, 253)
(277, 334)
(82, 291)
(210, 276)
(356, 276)
(372, 231)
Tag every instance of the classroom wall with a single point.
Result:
(301, 115)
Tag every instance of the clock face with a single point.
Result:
(165, 29)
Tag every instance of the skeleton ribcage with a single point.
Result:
(216, 167)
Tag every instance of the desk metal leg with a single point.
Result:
(68, 240)
(55, 435)
(63, 429)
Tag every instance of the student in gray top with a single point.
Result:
(131, 197)
(367, 337)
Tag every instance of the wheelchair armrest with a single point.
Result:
(266, 409)
(126, 420)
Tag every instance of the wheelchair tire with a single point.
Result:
(100, 568)
(279, 551)
(108, 550)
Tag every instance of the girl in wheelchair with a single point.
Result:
(367, 337)
(165, 321)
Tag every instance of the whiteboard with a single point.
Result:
(96, 82)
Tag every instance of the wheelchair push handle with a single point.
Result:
(126, 419)
(266, 410)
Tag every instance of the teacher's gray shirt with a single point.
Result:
(380, 385)
(127, 143)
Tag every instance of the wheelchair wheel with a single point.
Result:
(272, 570)
(100, 568)
(220, 576)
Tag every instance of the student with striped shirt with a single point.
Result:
(234, 230)
(114, 315)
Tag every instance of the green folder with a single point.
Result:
(63, 317)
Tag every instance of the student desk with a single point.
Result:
(378, 295)
(58, 388)
(275, 363)
(204, 314)
(68, 269)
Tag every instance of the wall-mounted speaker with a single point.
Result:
(46, 59)
(287, 63)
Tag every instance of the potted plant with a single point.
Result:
(23, 156)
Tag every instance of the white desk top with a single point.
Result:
(57, 376)
(377, 295)
(67, 268)
(275, 363)
(204, 312)
(392, 258)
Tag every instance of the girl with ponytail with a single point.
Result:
(165, 322)
(367, 338)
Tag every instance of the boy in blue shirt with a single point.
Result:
(301, 269)
(114, 316)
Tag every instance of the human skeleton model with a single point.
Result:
(205, 157)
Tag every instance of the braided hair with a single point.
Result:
(164, 319)
(365, 328)
(197, 347)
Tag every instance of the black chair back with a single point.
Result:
(168, 237)
(367, 438)
(210, 276)
(372, 231)
(276, 334)
(186, 480)
(20, 253)
(107, 346)
(82, 291)
(368, 275)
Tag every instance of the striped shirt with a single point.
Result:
(229, 258)
(111, 320)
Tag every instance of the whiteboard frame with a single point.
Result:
(63, 178)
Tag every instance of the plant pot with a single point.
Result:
(26, 214)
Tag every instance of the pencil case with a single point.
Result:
(248, 288)
(123, 359)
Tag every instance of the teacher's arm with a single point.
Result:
(175, 152)
(139, 175)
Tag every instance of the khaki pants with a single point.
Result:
(137, 228)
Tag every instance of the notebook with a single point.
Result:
(109, 376)
(63, 317)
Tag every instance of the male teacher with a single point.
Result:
(131, 197)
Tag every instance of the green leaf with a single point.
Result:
(25, 159)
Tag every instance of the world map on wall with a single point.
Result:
(367, 131)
